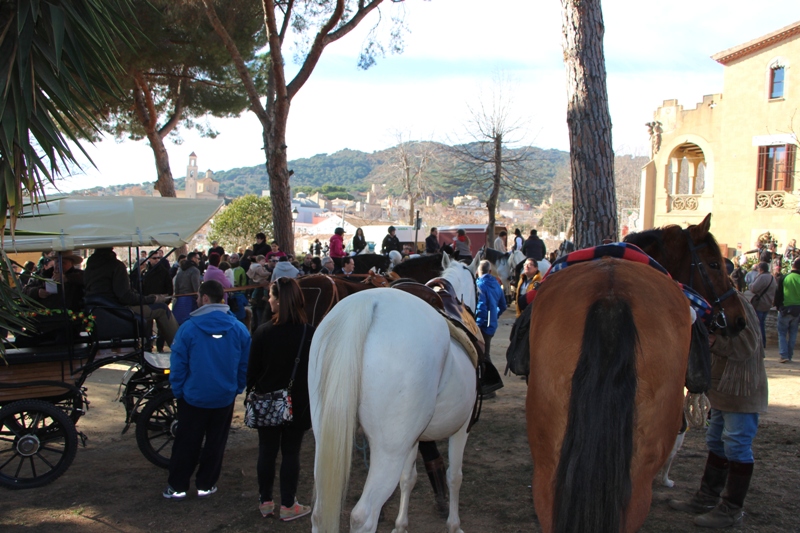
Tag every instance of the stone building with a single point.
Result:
(196, 187)
(733, 155)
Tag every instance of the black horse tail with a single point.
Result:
(593, 484)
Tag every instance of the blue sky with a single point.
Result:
(655, 51)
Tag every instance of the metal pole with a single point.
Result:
(416, 232)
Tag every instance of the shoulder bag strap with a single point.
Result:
(297, 359)
(766, 288)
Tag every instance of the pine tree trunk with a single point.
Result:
(280, 193)
(591, 152)
(165, 184)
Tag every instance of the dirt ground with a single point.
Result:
(111, 487)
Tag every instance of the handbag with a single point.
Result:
(272, 409)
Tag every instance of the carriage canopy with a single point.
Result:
(80, 222)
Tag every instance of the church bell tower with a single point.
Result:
(191, 177)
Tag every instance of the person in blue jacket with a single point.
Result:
(208, 369)
(491, 304)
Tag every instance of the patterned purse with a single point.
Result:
(271, 409)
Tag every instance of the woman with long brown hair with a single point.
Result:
(276, 346)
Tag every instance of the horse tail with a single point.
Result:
(342, 352)
(593, 485)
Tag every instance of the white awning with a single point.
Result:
(81, 222)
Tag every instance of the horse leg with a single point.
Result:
(663, 474)
(385, 470)
(407, 481)
(457, 443)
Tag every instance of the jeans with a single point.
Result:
(787, 333)
(730, 435)
(762, 321)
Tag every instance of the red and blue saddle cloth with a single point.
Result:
(630, 252)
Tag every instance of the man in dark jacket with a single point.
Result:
(534, 247)
(391, 242)
(71, 282)
(106, 277)
(432, 242)
(156, 278)
(208, 369)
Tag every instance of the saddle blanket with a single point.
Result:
(630, 252)
(461, 337)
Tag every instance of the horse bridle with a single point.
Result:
(719, 321)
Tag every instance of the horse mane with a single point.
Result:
(423, 261)
(453, 274)
(647, 239)
(654, 241)
(492, 255)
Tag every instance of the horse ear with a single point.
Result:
(445, 261)
(700, 231)
(473, 267)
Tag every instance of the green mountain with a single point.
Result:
(355, 171)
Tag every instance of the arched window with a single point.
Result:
(776, 78)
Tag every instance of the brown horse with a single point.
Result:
(604, 403)
(321, 292)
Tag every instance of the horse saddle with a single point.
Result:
(438, 293)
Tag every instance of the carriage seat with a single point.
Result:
(116, 324)
(46, 354)
(55, 329)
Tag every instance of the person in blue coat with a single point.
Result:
(491, 304)
(208, 369)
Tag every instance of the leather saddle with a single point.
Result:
(440, 294)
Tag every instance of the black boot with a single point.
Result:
(729, 511)
(437, 474)
(714, 477)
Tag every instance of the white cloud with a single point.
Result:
(655, 51)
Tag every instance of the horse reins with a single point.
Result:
(720, 321)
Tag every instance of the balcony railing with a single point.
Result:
(771, 200)
(684, 202)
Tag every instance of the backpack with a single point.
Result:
(518, 354)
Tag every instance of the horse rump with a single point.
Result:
(593, 484)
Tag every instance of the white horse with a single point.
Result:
(399, 397)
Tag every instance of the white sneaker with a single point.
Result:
(172, 494)
(206, 493)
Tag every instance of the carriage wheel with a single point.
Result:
(156, 427)
(38, 442)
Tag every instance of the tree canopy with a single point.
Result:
(180, 72)
(57, 62)
(236, 225)
(304, 28)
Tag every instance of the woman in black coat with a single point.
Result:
(275, 347)
(359, 241)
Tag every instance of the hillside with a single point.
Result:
(356, 171)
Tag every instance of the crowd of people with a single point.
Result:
(223, 342)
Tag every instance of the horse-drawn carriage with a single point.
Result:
(42, 393)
